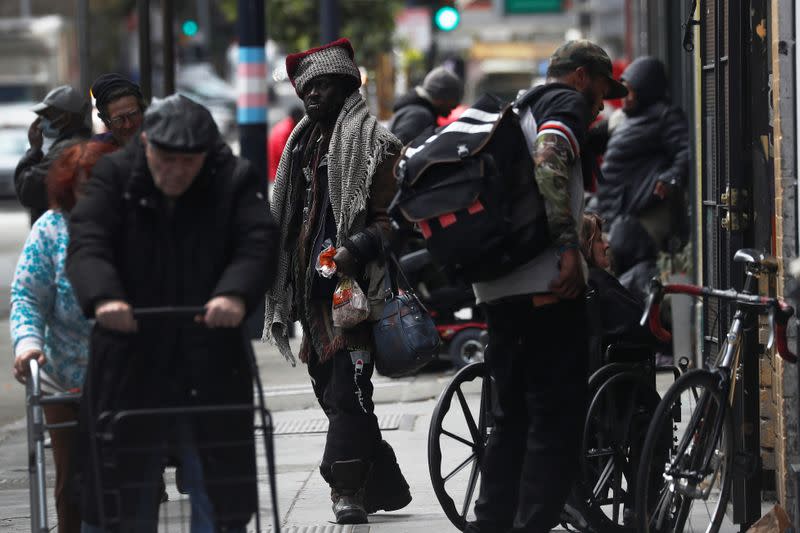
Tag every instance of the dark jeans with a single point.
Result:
(68, 511)
(538, 361)
(344, 390)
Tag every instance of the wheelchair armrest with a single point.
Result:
(634, 351)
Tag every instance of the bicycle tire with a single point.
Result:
(660, 441)
(613, 435)
(478, 434)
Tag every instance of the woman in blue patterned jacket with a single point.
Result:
(47, 323)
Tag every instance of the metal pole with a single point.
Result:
(328, 20)
(24, 8)
(83, 44)
(204, 21)
(251, 112)
(168, 30)
(145, 67)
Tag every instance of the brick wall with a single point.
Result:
(779, 394)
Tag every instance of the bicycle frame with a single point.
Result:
(725, 368)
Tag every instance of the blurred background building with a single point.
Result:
(732, 66)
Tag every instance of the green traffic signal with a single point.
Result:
(190, 28)
(447, 18)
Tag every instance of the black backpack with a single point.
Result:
(471, 192)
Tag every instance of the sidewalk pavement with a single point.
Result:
(404, 409)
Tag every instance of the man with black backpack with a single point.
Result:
(536, 313)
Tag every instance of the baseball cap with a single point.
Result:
(63, 98)
(584, 53)
(179, 124)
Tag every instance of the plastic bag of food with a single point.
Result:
(326, 267)
(350, 305)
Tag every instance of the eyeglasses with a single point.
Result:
(119, 120)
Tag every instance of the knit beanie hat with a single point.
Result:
(106, 84)
(442, 84)
(333, 58)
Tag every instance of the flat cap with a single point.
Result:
(179, 124)
(63, 98)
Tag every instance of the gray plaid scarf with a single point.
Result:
(357, 147)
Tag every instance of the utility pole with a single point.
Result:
(328, 20)
(82, 17)
(251, 108)
(168, 32)
(145, 66)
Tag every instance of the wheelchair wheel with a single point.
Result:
(456, 441)
(613, 437)
(466, 348)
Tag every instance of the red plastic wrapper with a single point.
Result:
(325, 264)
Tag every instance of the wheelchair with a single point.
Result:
(622, 399)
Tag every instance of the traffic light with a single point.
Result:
(446, 17)
(189, 28)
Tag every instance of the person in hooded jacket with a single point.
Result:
(537, 313)
(646, 162)
(172, 219)
(417, 111)
(64, 117)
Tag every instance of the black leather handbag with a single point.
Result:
(405, 336)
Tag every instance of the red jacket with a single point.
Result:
(275, 144)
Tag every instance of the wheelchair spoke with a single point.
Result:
(462, 440)
(473, 481)
(602, 480)
(473, 428)
(460, 467)
(617, 491)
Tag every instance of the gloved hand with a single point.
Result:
(346, 263)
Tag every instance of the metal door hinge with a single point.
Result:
(735, 202)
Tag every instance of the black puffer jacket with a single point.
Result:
(413, 115)
(650, 144)
(127, 242)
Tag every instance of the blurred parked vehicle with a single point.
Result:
(15, 119)
(13, 144)
(36, 54)
(201, 83)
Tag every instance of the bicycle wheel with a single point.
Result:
(614, 432)
(687, 458)
(456, 440)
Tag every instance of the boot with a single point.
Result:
(386, 488)
(347, 491)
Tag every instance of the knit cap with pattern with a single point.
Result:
(333, 58)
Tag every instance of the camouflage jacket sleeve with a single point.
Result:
(553, 156)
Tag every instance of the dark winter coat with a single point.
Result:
(127, 243)
(413, 116)
(614, 314)
(30, 176)
(643, 149)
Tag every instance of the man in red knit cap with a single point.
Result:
(334, 186)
